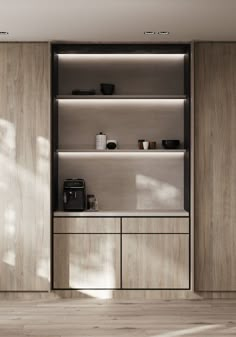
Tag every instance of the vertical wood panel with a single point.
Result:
(215, 166)
(24, 166)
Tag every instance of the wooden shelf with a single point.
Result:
(132, 213)
(157, 151)
(110, 97)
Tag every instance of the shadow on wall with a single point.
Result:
(152, 192)
(89, 262)
(23, 186)
(98, 269)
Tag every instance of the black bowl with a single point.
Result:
(107, 88)
(170, 143)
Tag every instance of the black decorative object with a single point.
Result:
(111, 144)
(107, 88)
(140, 144)
(84, 92)
(152, 145)
(170, 144)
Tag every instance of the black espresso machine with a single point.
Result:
(74, 197)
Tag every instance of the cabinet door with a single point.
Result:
(24, 166)
(86, 261)
(155, 261)
(215, 166)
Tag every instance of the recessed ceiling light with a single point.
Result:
(163, 33)
(149, 33)
(4, 33)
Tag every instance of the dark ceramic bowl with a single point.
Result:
(170, 144)
(107, 88)
(111, 145)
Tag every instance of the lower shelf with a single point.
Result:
(153, 213)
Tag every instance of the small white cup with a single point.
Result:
(145, 145)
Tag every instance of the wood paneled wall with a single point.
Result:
(215, 166)
(24, 166)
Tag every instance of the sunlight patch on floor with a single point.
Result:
(188, 331)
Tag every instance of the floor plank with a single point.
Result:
(90, 318)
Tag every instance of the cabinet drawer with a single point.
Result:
(85, 261)
(155, 225)
(86, 225)
(157, 261)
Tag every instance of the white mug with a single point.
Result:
(145, 145)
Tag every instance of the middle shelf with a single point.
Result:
(111, 152)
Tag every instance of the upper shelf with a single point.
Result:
(76, 97)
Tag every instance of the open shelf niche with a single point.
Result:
(151, 101)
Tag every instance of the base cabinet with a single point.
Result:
(141, 253)
(155, 261)
(86, 261)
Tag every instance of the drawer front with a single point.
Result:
(85, 261)
(155, 225)
(157, 261)
(86, 225)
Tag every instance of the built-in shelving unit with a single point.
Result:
(139, 192)
(151, 101)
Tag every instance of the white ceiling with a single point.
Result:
(117, 20)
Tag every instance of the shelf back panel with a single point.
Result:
(126, 121)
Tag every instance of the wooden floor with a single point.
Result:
(108, 318)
